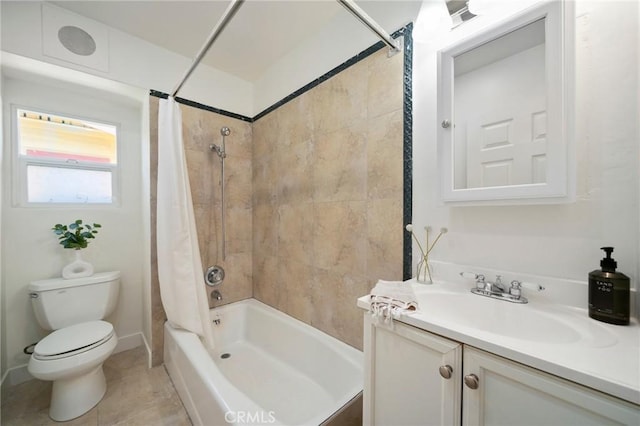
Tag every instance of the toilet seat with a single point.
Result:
(73, 340)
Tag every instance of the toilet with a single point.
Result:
(73, 354)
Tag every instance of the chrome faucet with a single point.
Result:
(216, 295)
(497, 289)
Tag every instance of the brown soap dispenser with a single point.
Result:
(609, 292)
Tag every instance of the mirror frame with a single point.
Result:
(560, 76)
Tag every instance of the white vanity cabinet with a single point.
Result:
(404, 386)
(509, 393)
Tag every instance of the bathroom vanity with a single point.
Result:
(467, 359)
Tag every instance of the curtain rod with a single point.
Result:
(222, 23)
(364, 18)
(350, 5)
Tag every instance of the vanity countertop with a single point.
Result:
(561, 340)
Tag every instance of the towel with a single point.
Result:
(390, 299)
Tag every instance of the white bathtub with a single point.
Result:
(279, 370)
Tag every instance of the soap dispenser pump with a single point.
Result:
(609, 292)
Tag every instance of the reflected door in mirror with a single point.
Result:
(500, 111)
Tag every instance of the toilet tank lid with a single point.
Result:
(59, 283)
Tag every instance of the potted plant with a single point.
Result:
(76, 236)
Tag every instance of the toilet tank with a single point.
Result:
(59, 303)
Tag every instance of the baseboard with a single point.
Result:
(148, 349)
(15, 376)
(129, 341)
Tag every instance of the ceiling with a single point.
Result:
(261, 32)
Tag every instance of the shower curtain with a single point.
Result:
(179, 266)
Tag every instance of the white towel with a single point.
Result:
(390, 299)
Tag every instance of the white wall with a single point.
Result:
(138, 63)
(29, 247)
(553, 240)
(132, 61)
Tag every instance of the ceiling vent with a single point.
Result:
(74, 38)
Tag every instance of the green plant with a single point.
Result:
(76, 235)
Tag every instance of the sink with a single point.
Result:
(516, 321)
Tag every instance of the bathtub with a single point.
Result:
(267, 368)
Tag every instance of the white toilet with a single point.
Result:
(73, 354)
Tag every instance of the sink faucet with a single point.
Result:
(497, 289)
(216, 295)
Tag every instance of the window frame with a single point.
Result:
(21, 162)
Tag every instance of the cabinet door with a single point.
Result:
(509, 393)
(403, 385)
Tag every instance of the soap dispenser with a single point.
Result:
(609, 292)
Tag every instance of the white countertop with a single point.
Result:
(601, 356)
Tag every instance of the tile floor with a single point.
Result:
(136, 395)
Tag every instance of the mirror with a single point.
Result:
(504, 124)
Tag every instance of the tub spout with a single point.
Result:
(216, 295)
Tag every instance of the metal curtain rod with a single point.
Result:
(363, 17)
(350, 5)
(222, 23)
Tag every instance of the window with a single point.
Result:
(63, 160)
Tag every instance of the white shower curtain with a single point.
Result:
(179, 265)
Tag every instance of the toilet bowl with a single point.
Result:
(72, 355)
(72, 358)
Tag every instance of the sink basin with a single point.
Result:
(511, 320)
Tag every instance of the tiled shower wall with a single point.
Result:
(314, 198)
(201, 128)
(327, 196)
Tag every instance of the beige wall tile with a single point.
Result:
(297, 279)
(384, 83)
(266, 283)
(295, 232)
(239, 229)
(295, 121)
(265, 180)
(355, 131)
(199, 168)
(265, 229)
(237, 182)
(239, 143)
(384, 156)
(334, 298)
(339, 101)
(340, 164)
(295, 183)
(339, 236)
(384, 239)
(266, 133)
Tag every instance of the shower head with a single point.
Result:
(225, 131)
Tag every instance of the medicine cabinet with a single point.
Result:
(505, 111)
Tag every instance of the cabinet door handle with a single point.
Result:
(471, 380)
(445, 371)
